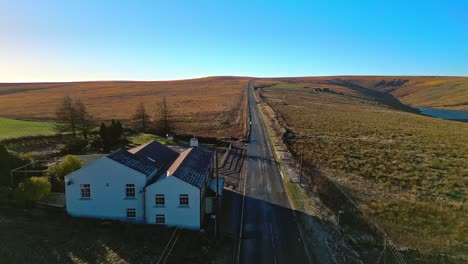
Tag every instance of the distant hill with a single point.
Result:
(201, 100)
(205, 106)
(416, 91)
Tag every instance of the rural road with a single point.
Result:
(268, 231)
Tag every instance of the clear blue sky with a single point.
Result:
(160, 40)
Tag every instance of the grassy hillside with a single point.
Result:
(408, 172)
(438, 92)
(207, 106)
(11, 128)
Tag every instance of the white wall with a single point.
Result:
(172, 187)
(107, 178)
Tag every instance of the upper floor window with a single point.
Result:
(130, 190)
(183, 200)
(85, 191)
(131, 213)
(160, 200)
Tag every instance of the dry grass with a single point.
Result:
(423, 91)
(407, 171)
(200, 106)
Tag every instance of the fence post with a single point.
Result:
(302, 161)
(385, 250)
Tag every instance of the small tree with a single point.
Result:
(110, 135)
(84, 120)
(103, 132)
(57, 172)
(163, 124)
(34, 189)
(66, 117)
(73, 117)
(141, 119)
(115, 131)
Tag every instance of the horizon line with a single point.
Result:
(235, 76)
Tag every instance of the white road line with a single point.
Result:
(275, 259)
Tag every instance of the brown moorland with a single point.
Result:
(406, 171)
(212, 106)
(417, 91)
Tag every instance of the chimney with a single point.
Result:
(194, 142)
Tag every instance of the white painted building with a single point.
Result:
(149, 184)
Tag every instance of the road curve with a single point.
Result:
(268, 229)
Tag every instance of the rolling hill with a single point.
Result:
(416, 91)
(209, 106)
(214, 106)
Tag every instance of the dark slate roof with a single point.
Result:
(133, 161)
(193, 169)
(159, 154)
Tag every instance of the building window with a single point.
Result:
(183, 200)
(85, 191)
(160, 219)
(130, 190)
(131, 213)
(159, 200)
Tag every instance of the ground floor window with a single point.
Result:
(131, 213)
(160, 219)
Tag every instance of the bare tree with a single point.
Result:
(66, 117)
(84, 120)
(141, 119)
(163, 124)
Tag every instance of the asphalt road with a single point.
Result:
(268, 231)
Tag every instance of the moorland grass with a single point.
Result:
(408, 172)
(197, 106)
(423, 91)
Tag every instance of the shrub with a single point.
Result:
(33, 189)
(57, 172)
(75, 146)
(8, 161)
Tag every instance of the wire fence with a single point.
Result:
(334, 194)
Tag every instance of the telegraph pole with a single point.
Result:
(302, 161)
(216, 199)
(385, 250)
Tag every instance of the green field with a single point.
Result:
(143, 138)
(12, 128)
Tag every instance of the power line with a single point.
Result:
(170, 250)
(396, 255)
(381, 254)
(167, 245)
